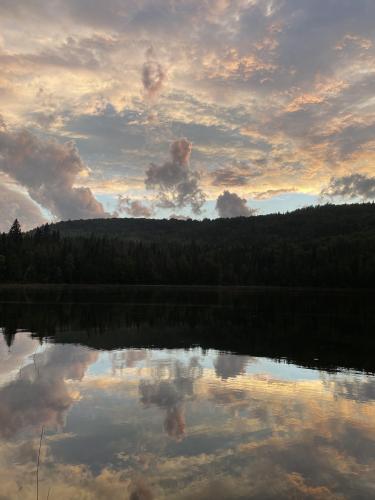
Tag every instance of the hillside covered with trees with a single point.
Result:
(325, 246)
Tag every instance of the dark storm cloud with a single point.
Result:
(231, 205)
(351, 186)
(176, 183)
(48, 170)
(134, 208)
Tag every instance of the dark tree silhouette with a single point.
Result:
(15, 232)
(325, 246)
(9, 334)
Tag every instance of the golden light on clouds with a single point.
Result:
(242, 81)
(233, 421)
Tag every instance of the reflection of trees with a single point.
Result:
(172, 385)
(128, 358)
(309, 328)
(41, 396)
(356, 389)
(230, 365)
(9, 334)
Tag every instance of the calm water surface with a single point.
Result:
(130, 405)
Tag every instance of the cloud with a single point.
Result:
(287, 82)
(15, 205)
(153, 75)
(238, 174)
(49, 171)
(41, 396)
(351, 186)
(134, 208)
(231, 205)
(177, 184)
(2, 124)
(181, 151)
(270, 193)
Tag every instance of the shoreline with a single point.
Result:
(114, 286)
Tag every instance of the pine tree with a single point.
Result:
(15, 232)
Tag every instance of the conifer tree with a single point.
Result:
(15, 231)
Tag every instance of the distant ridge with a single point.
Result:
(324, 246)
(302, 224)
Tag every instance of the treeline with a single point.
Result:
(300, 225)
(337, 252)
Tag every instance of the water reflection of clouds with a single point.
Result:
(172, 384)
(297, 442)
(251, 435)
(40, 395)
(12, 359)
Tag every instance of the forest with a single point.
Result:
(323, 246)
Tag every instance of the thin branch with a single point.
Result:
(37, 465)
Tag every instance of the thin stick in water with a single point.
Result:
(37, 465)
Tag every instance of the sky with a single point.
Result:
(189, 108)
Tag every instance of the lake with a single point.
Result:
(186, 393)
